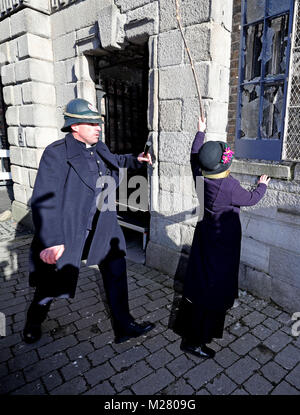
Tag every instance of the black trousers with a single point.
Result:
(114, 275)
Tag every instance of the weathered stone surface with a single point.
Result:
(198, 38)
(170, 115)
(275, 171)
(257, 282)
(8, 74)
(286, 295)
(64, 47)
(191, 12)
(111, 27)
(221, 13)
(255, 254)
(12, 115)
(171, 83)
(40, 136)
(175, 147)
(30, 21)
(33, 46)
(152, 114)
(275, 234)
(38, 115)
(142, 23)
(285, 265)
(34, 70)
(16, 155)
(64, 93)
(220, 36)
(5, 30)
(170, 48)
(38, 93)
(20, 193)
(31, 157)
(162, 258)
(126, 5)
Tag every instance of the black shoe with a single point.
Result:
(199, 351)
(134, 330)
(32, 333)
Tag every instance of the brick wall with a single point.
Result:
(234, 71)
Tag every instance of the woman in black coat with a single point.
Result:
(211, 282)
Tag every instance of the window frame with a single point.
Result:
(261, 148)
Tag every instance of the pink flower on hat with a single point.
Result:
(227, 155)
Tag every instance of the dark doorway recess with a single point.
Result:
(122, 98)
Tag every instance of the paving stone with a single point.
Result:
(11, 340)
(99, 373)
(277, 341)
(271, 311)
(226, 357)
(221, 385)
(102, 389)
(203, 391)
(294, 377)
(258, 304)
(180, 365)
(155, 343)
(202, 373)
(179, 387)
(238, 329)
(288, 357)
(57, 346)
(244, 344)
(272, 324)
(75, 368)
(153, 383)
(11, 382)
(68, 318)
(273, 372)
(156, 294)
(33, 388)
(262, 354)
(240, 391)
(84, 303)
(129, 357)
(21, 361)
(242, 369)
(4, 369)
(5, 354)
(158, 315)
(153, 305)
(261, 332)
(130, 376)
(170, 335)
(226, 339)
(73, 387)
(253, 319)
(159, 358)
(284, 388)
(102, 339)
(45, 366)
(52, 380)
(58, 312)
(101, 355)
(258, 385)
(174, 348)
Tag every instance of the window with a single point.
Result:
(263, 74)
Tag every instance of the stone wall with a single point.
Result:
(206, 26)
(28, 91)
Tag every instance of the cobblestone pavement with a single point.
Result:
(77, 354)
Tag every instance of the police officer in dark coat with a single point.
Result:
(74, 214)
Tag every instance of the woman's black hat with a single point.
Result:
(215, 157)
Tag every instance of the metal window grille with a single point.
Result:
(291, 145)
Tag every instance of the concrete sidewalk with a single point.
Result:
(77, 355)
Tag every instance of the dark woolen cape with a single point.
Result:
(62, 198)
(211, 282)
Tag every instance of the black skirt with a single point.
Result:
(198, 326)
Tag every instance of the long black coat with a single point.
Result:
(211, 281)
(62, 198)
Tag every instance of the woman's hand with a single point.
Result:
(52, 254)
(264, 179)
(201, 124)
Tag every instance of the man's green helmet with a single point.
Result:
(80, 111)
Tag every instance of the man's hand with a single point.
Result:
(142, 157)
(201, 124)
(264, 179)
(52, 254)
